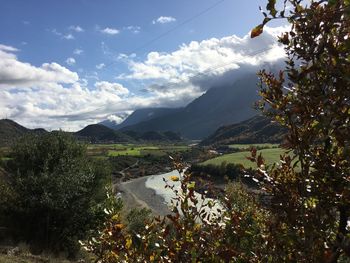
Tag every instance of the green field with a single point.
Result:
(106, 150)
(256, 145)
(270, 155)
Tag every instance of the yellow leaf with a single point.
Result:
(128, 243)
(174, 178)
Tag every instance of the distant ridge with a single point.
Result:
(94, 133)
(11, 130)
(101, 133)
(141, 115)
(258, 129)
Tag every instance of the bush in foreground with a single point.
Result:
(53, 192)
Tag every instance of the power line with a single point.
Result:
(178, 26)
(188, 20)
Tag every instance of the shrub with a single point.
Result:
(55, 192)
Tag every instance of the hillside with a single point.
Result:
(101, 133)
(258, 129)
(141, 115)
(11, 130)
(217, 107)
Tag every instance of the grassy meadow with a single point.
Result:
(271, 155)
(107, 150)
(256, 145)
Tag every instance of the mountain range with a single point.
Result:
(228, 106)
(218, 106)
(95, 133)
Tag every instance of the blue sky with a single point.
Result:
(122, 50)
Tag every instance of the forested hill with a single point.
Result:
(258, 129)
(101, 133)
(95, 133)
(11, 130)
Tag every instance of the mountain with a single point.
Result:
(101, 133)
(160, 136)
(217, 107)
(11, 130)
(167, 136)
(139, 116)
(258, 129)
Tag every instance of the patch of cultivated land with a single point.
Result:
(256, 145)
(271, 156)
(106, 150)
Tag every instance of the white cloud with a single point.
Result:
(14, 73)
(78, 51)
(68, 36)
(115, 88)
(164, 20)
(120, 117)
(110, 31)
(55, 32)
(51, 96)
(76, 29)
(212, 57)
(8, 48)
(70, 61)
(133, 29)
(100, 66)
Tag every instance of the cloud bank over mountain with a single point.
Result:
(52, 96)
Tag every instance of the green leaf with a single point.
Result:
(332, 2)
(271, 7)
(191, 185)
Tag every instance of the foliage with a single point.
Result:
(198, 230)
(217, 172)
(137, 219)
(311, 206)
(53, 192)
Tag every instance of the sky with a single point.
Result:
(66, 64)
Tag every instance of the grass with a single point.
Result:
(270, 155)
(106, 150)
(256, 145)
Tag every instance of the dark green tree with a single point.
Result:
(56, 191)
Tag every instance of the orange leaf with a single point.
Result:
(257, 31)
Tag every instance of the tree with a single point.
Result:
(55, 191)
(311, 98)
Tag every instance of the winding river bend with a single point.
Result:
(150, 192)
